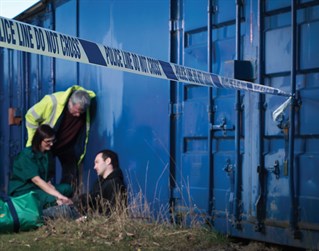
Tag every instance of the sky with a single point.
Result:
(11, 8)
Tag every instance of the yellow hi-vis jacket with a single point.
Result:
(48, 111)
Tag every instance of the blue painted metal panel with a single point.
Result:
(65, 72)
(273, 177)
(4, 129)
(309, 45)
(193, 181)
(274, 4)
(223, 178)
(195, 115)
(223, 50)
(15, 101)
(308, 109)
(224, 160)
(307, 1)
(278, 44)
(192, 163)
(276, 149)
(195, 173)
(12, 98)
(224, 11)
(132, 111)
(194, 12)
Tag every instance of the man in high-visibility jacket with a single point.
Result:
(68, 112)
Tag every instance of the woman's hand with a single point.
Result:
(62, 200)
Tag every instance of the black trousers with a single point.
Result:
(70, 172)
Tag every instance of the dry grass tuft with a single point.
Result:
(134, 228)
(130, 234)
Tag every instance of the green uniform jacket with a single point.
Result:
(48, 111)
(26, 166)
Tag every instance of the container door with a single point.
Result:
(25, 79)
(12, 93)
(225, 201)
(291, 195)
(205, 117)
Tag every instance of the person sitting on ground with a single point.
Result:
(31, 170)
(109, 191)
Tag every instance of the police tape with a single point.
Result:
(29, 38)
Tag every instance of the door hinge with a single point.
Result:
(176, 108)
(14, 116)
(176, 25)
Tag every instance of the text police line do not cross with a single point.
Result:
(29, 38)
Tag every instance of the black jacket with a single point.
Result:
(107, 194)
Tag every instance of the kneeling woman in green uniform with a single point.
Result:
(31, 170)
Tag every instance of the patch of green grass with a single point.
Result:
(112, 233)
(132, 227)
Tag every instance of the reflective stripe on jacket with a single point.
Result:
(49, 109)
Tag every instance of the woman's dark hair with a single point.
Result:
(112, 155)
(43, 132)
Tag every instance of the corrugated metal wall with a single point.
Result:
(216, 151)
(132, 112)
(252, 176)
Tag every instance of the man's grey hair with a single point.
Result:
(82, 98)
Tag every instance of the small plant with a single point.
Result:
(127, 227)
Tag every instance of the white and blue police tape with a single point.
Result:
(29, 38)
(280, 110)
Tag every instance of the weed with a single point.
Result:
(131, 227)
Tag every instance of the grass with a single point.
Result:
(112, 233)
(136, 228)
(133, 229)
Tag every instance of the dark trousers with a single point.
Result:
(70, 173)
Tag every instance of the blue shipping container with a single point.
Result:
(202, 151)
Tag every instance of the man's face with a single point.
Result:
(75, 109)
(100, 165)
